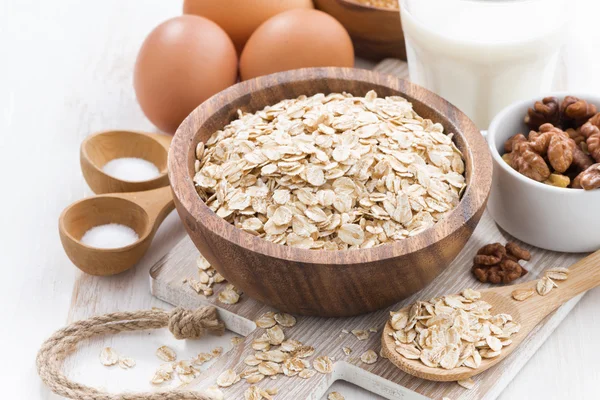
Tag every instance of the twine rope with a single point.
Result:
(183, 324)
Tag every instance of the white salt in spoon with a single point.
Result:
(112, 147)
(142, 207)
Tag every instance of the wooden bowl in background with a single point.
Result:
(326, 283)
(376, 32)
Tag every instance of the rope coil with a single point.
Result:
(183, 324)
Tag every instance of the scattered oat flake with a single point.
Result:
(214, 393)
(522, 294)
(347, 350)
(471, 294)
(323, 364)
(126, 362)
(307, 373)
(369, 357)
(275, 335)
(202, 358)
(229, 296)
(267, 320)
(108, 356)
(303, 351)
(345, 331)
(227, 378)
(253, 393)
(217, 351)
(544, 286)
(285, 320)
(166, 353)
(360, 334)
(269, 368)
(163, 373)
(557, 274)
(236, 340)
(467, 383)
(252, 379)
(335, 396)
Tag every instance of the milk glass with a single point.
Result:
(482, 55)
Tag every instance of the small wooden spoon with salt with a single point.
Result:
(140, 205)
(583, 275)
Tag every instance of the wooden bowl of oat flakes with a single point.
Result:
(320, 203)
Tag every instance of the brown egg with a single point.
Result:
(296, 39)
(182, 62)
(239, 18)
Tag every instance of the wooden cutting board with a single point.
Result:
(325, 334)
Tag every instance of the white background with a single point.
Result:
(65, 72)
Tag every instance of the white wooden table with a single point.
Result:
(65, 72)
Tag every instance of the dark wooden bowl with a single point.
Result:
(326, 283)
(376, 32)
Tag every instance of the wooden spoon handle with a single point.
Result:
(158, 203)
(583, 275)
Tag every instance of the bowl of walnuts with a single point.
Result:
(546, 185)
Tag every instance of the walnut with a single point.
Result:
(508, 145)
(563, 142)
(591, 131)
(529, 163)
(570, 113)
(581, 159)
(490, 254)
(558, 180)
(588, 179)
(576, 135)
(560, 152)
(539, 141)
(547, 110)
(517, 251)
(575, 112)
(495, 263)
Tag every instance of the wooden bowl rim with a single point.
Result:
(106, 177)
(184, 191)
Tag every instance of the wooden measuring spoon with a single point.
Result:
(100, 148)
(141, 211)
(583, 275)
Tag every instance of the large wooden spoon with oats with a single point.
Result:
(536, 299)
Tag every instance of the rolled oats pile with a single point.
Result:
(331, 172)
(452, 331)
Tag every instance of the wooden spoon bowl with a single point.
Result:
(584, 275)
(326, 283)
(143, 212)
(100, 148)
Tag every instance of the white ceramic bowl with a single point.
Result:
(559, 219)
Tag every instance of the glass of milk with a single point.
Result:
(482, 55)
